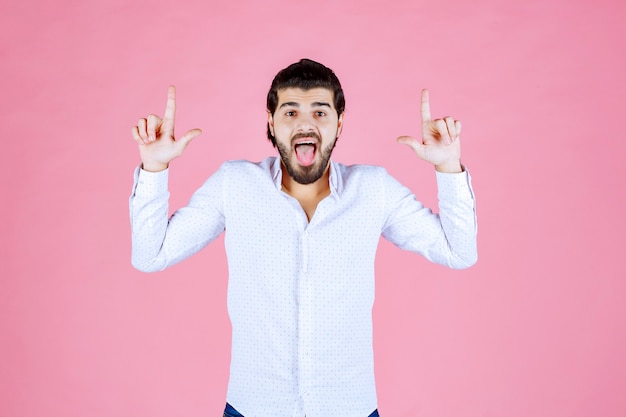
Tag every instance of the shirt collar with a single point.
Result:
(336, 182)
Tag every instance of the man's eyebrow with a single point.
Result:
(314, 104)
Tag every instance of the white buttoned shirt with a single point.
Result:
(300, 292)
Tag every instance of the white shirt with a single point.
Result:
(300, 293)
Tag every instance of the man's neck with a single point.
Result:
(309, 195)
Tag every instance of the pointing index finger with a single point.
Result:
(170, 107)
(425, 106)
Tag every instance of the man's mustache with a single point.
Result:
(301, 135)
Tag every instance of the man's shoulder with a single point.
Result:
(362, 179)
(243, 166)
(359, 170)
(242, 173)
(247, 164)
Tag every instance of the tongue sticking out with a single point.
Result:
(305, 154)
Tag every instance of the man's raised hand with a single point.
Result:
(155, 136)
(440, 144)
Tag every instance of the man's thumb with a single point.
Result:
(413, 143)
(184, 140)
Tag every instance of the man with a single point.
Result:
(301, 237)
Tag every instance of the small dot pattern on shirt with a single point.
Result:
(300, 293)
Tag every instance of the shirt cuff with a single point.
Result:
(454, 185)
(149, 184)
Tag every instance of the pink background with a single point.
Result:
(536, 328)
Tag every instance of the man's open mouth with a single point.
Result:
(305, 151)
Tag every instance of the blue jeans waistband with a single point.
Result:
(230, 411)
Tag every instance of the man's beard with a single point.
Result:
(311, 173)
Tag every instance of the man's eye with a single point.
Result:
(290, 113)
(320, 113)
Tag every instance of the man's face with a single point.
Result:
(306, 126)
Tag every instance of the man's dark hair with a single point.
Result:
(305, 74)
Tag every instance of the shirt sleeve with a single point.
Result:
(447, 238)
(158, 241)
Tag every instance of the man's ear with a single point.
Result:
(340, 124)
(270, 122)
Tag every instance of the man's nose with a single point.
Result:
(306, 123)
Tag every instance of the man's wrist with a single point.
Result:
(153, 167)
(453, 167)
